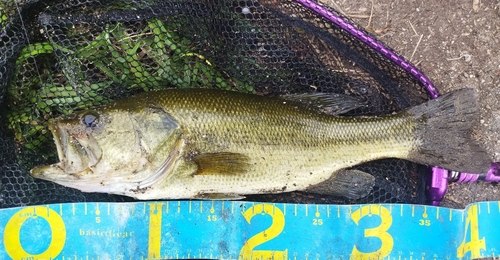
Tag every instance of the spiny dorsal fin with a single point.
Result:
(330, 103)
(221, 163)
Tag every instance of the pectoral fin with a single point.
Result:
(221, 164)
(352, 184)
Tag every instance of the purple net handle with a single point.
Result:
(373, 43)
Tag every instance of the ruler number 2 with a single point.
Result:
(278, 218)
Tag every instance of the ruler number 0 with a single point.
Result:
(247, 251)
(12, 240)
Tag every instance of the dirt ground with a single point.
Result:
(456, 44)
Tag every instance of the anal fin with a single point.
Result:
(349, 183)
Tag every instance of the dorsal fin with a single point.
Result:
(330, 103)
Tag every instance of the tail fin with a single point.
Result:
(444, 130)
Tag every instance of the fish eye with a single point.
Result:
(90, 119)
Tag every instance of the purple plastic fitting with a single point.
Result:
(491, 175)
(437, 185)
(495, 168)
(440, 177)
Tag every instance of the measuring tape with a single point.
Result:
(248, 230)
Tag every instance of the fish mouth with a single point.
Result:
(77, 150)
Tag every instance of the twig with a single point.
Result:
(467, 57)
(359, 16)
(415, 50)
(415, 31)
(371, 15)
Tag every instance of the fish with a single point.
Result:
(216, 144)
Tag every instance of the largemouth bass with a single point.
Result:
(201, 143)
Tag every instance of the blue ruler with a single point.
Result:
(246, 230)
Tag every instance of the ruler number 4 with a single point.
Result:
(475, 244)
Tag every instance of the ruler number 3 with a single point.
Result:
(379, 231)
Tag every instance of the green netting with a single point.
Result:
(62, 56)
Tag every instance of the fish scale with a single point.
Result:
(275, 130)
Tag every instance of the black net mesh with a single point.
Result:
(61, 56)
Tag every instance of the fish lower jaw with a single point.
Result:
(47, 172)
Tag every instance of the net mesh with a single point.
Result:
(62, 56)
